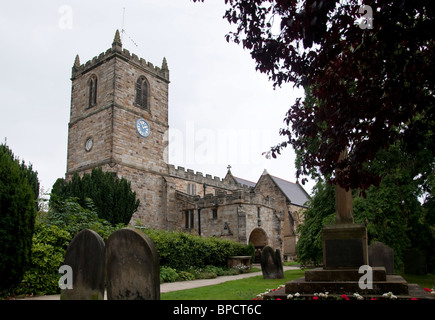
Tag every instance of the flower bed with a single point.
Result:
(327, 295)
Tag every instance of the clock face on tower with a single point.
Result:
(143, 128)
(88, 144)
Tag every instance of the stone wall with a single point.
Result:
(228, 209)
(111, 124)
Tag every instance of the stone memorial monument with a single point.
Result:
(345, 250)
(132, 266)
(85, 256)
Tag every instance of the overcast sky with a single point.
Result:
(221, 111)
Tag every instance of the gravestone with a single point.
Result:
(271, 264)
(85, 256)
(132, 266)
(381, 255)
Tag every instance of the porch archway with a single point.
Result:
(259, 239)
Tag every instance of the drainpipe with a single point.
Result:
(199, 221)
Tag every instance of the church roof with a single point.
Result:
(293, 191)
(244, 182)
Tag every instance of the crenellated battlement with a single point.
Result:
(118, 51)
(240, 196)
(198, 177)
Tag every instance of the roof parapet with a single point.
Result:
(117, 50)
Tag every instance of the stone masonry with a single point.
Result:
(102, 132)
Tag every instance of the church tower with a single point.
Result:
(119, 121)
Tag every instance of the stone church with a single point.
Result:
(119, 121)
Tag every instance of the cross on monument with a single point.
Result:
(343, 200)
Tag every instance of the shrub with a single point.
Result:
(206, 275)
(68, 214)
(167, 274)
(185, 276)
(17, 213)
(48, 251)
(113, 198)
(181, 251)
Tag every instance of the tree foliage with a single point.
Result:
(372, 87)
(113, 198)
(17, 214)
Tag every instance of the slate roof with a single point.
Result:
(244, 182)
(293, 191)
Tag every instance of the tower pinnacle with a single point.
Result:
(117, 45)
(77, 62)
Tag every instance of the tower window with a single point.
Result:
(93, 91)
(141, 99)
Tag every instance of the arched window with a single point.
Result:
(93, 91)
(142, 93)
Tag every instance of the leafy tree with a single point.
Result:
(17, 214)
(113, 198)
(373, 87)
(320, 212)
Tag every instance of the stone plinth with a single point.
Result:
(345, 250)
(395, 284)
(320, 274)
(344, 246)
(414, 291)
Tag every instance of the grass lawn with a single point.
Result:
(243, 289)
(427, 281)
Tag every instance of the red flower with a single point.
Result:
(414, 299)
(315, 298)
(427, 290)
(373, 298)
(344, 297)
(278, 299)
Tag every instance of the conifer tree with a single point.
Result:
(18, 187)
(113, 198)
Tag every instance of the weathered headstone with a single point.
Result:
(85, 256)
(271, 264)
(381, 255)
(132, 266)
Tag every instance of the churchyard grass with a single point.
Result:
(243, 289)
(427, 281)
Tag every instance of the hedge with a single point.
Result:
(181, 251)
